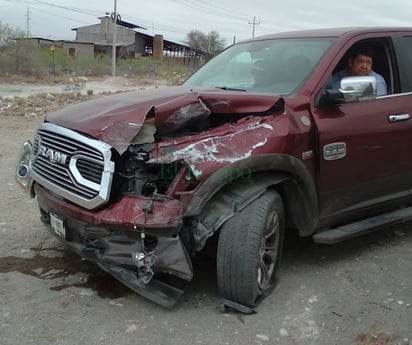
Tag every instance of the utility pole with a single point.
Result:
(254, 23)
(28, 23)
(114, 18)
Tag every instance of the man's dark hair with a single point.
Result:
(361, 49)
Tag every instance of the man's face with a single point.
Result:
(361, 65)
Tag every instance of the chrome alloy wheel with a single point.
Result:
(268, 251)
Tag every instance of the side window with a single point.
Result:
(368, 57)
(405, 61)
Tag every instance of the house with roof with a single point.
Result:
(97, 40)
(129, 43)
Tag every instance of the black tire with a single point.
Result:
(249, 250)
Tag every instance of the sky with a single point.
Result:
(174, 19)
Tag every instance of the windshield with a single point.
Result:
(277, 66)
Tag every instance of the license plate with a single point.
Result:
(57, 225)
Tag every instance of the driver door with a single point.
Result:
(373, 164)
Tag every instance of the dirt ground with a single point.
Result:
(357, 292)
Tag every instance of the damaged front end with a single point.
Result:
(131, 235)
(115, 187)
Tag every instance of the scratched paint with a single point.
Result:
(220, 149)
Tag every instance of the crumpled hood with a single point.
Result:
(117, 119)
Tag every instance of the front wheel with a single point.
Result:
(249, 250)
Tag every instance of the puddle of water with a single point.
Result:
(64, 264)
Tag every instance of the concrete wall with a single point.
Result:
(89, 33)
(103, 33)
(139, 45)
(158, 47)
(81, 50)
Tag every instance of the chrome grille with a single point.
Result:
(74, 166)
(90, 170)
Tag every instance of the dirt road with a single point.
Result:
(357, 292)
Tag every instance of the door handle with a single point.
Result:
(400, 117)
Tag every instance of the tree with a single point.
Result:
(8, 34)
(11, 49)
(209, 44)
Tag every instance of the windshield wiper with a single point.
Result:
(229, 88)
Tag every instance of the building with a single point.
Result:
(129, 43)
(97, 40)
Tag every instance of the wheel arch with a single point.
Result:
(220, 197)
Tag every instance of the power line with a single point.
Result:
(65, 8)
(37, 3)
(212, 9)
(216, 11)
(75, 20)
(223, 12)
(231, 12)
(155, 25)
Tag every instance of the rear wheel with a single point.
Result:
(249, 250)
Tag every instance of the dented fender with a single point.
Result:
(265, 171)
(227, 201)
(215, 151)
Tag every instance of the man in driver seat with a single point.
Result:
(360, 64)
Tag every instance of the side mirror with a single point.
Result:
(355, 89)
(352, 89)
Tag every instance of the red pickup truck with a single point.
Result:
(253, 145)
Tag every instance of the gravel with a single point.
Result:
(356, 292)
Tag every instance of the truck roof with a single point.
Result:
(335, 32)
